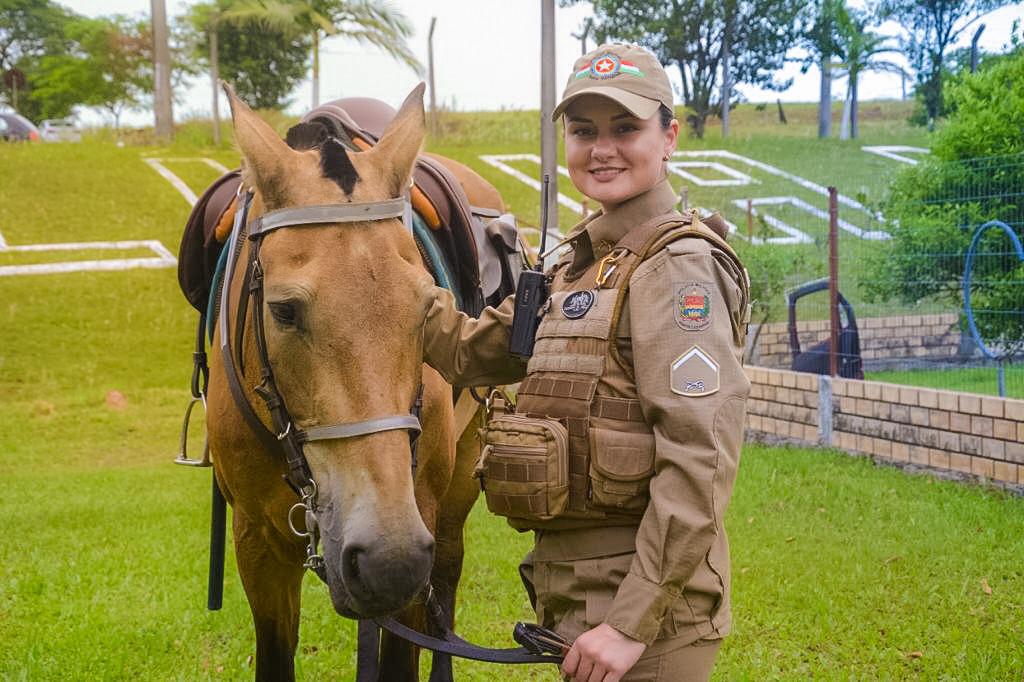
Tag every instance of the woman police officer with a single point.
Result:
(622, 449)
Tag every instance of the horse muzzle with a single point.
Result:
(372, 577)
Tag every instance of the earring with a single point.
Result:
(666, 157)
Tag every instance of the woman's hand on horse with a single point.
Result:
(601, 655)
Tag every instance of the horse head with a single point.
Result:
(343, 308)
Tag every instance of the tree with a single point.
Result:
(932, 26)
(109, 66)
(974, 174)
(263, 64)
(370, 22)
(860, 50)
(821, 42)
(695, 35)
(29, 29)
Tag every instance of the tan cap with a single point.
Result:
(628, 74)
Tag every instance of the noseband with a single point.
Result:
(289, 436)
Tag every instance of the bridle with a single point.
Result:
(290, 437)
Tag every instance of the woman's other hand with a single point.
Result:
(601, 655)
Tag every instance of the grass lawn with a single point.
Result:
(968, 379)
(841, 569)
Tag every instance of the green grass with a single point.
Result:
(842, 570)
(969, 379)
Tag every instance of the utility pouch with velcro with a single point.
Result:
(621, 467)
(524, 467)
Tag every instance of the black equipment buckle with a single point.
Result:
(538, 640)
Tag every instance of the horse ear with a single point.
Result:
(266, 154)
(401, 142)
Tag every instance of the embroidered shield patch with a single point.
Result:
(692, 306)
(695, 373)
(577, 304)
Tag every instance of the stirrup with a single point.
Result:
(183, 457)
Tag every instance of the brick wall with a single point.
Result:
(965, 433)
(907, 337)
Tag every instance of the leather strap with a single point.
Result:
(353, 429)
(355, 212)
(456, 646)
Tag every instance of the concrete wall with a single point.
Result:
(980, 436)
(898, 338)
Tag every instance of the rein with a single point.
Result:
(541, 646)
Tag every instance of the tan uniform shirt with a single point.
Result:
(682, 331)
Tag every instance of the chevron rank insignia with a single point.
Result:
(695, 373)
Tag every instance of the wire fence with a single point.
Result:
(931, 277)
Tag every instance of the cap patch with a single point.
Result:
(693, 306)
(607, 66)
(694, 373)
(577, 304)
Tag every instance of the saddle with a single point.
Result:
(475, 252)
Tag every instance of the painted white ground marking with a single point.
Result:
(175, 181)
(162, 259)
(768, 168)
(889, 151)
(797, 236)
(738, 178)
(497, 160)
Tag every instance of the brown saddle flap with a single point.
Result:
(199, 249)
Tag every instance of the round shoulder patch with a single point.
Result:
(577, 304)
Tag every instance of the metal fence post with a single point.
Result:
(833, 280)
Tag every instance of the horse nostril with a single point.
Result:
(350, 562)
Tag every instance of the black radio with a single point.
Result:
(532, 290)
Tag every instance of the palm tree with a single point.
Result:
(372, 22)
(860, 48)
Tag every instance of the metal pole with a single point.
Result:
(215, 80)
(162, 107)
(548, 141)
(750, 220)
(833, 279)
(974, 48)
(316, 69)
(430, 71)
(726, 76)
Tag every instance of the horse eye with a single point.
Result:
(284, 313)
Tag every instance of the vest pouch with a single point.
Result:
(524, 467)
(621, 466)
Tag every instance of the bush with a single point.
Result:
(975, 174)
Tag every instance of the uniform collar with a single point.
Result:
(597, 234)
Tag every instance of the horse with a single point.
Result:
(336, 327)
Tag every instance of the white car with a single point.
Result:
(59, 130)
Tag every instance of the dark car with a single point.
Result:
(16, 128)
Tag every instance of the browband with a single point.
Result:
(328, 213)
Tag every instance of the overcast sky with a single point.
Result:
(487, 56)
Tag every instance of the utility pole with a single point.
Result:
(548, 141)
(726, 76)
(164, 124)
(430, 69)
(215, 75)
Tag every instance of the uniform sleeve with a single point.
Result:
(688, 325)
(468, 351)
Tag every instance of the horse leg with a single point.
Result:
(399, 660)
(272, 578)
(449, 548)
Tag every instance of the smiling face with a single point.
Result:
(611, 154)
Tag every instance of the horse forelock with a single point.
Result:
(336, 165)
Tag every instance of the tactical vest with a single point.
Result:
(577, 448)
